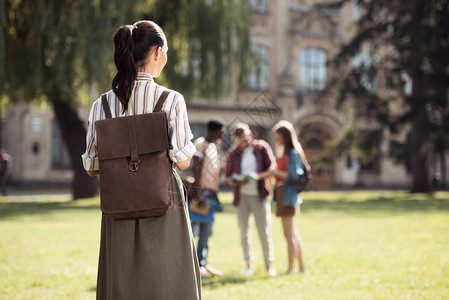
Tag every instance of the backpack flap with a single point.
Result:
(115, 138)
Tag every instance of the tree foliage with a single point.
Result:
(411, 40)
(70, 42)
(208, 42)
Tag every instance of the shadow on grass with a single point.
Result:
(381, 204)
(348, 202)
(220, 281)
(366, 202)
(92, 289)
(17, 209)
(231, 279)
(217, 281)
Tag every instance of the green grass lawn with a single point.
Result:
(359, 245)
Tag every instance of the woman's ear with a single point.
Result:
(156, 53)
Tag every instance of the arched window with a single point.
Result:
(312, 69)
(315, 144)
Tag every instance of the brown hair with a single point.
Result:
(287, 131)
(133, 44)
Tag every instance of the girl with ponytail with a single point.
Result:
(134, 47)
(145, 258)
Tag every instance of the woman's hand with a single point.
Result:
(93, 173)
(182, 165)
(272, 172)
(280, 174)
(265, 174)
(235, 183)
(201, 201)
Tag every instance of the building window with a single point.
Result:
(366, 65)
(348, 161)
(36, 124)
(312, 69)
(355, 10)
(60, 158)
(258, 72)
(258, 6)
(373, 166)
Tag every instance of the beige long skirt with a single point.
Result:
(149, 258)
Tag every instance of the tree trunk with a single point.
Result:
(1, 129)
(420, 170)
(74, 135)
(419, 137)
(443, 170)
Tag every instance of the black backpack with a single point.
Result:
(301, 183)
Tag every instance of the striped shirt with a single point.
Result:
(143, 100)
(210, 174)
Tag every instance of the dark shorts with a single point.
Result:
(282, 210)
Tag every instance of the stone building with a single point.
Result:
(292, 44)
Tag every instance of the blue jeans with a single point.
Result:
(203, 229)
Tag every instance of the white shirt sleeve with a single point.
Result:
(90, 157)
(181, 135)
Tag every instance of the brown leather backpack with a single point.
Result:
(135, 170)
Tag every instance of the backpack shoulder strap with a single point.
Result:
(104, 103)
(161, 100)
(201, 166)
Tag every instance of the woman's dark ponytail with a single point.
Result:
(122, 84)
(133, 44)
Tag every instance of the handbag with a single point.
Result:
(135, 169)
(200, 209)
(193, 185)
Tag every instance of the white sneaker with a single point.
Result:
(204, 272)
(213, 271)
(249, 272)
(272, 272)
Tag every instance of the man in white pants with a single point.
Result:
(244, 160)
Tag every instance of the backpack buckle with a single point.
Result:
(133, 165)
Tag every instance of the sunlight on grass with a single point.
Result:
(359, 245)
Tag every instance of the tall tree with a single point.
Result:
(409, 41)
(55, 50)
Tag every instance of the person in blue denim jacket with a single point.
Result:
(289, 168)
(206, 171)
